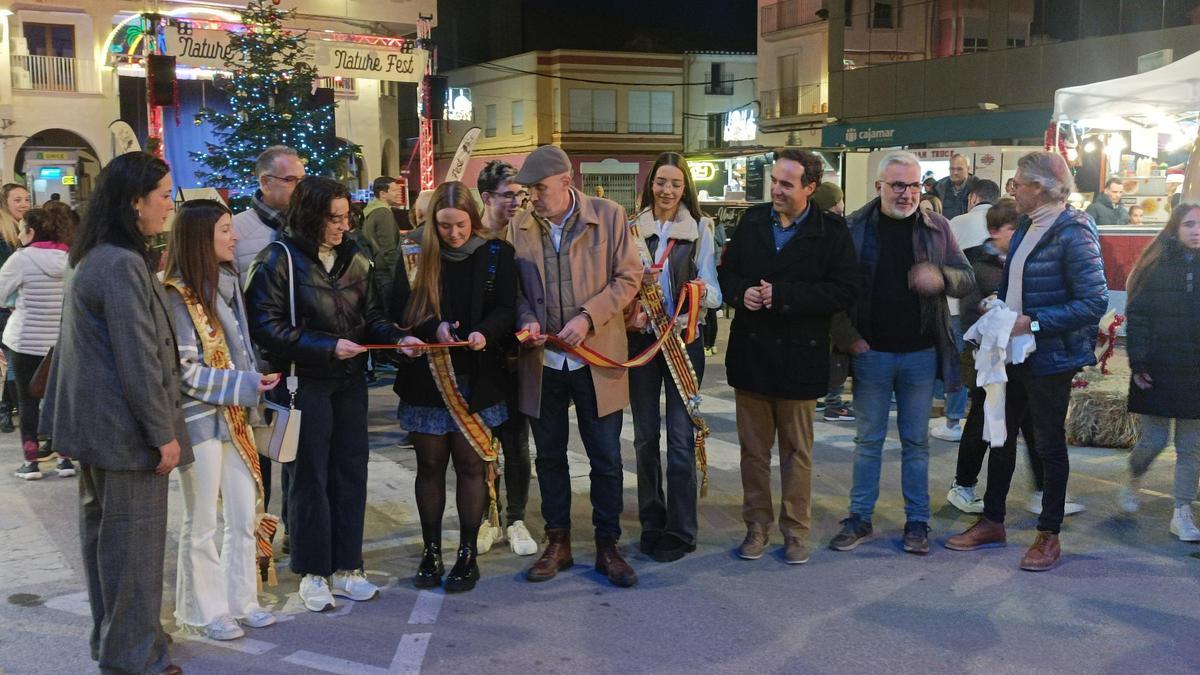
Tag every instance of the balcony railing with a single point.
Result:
(46, 73)
(789, 14)
(804, 99)
(341, 86)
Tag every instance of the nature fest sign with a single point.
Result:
(210, 48)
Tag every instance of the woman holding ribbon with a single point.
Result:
(222, 387)
(464, 294)
(677, 245)
(312, 306)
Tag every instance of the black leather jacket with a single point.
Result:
(342, 304)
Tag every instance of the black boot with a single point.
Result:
(8, 409)
(465, 572)
(429, 572)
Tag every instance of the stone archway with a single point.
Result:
(58, 161)
(390, 159)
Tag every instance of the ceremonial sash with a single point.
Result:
(674, 348)
(216, 356)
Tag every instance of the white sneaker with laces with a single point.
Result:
(940, 429)
(488, 536)
(1183, 526)
(258, 618)
(1070, 508)
(353, 584)
(224, 628)
(1127, 499)
(519, 539)
(314, 591)
(963, 498)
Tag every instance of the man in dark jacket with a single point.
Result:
(788, 269)
(1054, 280)
(1106, 209)
(908, 264)
(956, 188)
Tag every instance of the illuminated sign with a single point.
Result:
(53, 155)
(50, 172)
(68, 180)
(458, 104)
(740, 125)
(703, 170)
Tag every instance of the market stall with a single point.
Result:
(1140, 128)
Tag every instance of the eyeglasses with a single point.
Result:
(338, 220)
(900, 187)
(290, 180)
(510, 195)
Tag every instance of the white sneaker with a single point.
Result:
(488, 536)
(963, 498)
(1034, 505)
(940, 429)
(258, 618)
(1070, 508)
(224, 628)
(1183, 526)
(353, 584)
(314, 591)
(1127, 499)
(519, 539)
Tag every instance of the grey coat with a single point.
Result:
(113, 396)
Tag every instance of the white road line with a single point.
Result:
(410, 653)
(245, 645)
(426, 609)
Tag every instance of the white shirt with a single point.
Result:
(970, 230)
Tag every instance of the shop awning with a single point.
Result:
(1171, 91)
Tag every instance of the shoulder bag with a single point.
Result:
(280, 439)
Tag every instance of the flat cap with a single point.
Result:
(548, 160)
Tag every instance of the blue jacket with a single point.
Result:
(1064, 290)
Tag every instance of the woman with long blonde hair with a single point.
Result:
(1163, 330)
(465, 289)
(14, 204)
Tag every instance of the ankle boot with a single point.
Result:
(429, 573)
(555, 558)
(610, 563)
(465, 572)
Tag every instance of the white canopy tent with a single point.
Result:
(1168, 92)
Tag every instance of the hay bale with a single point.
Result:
(1097, 416)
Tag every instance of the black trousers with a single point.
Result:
(709, 329)
(972, 447)
(514, 442)
(327, 488)
(1045, 399)
(24, 366)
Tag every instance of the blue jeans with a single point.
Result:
(876, 376)
(956, 403)
(601, 440)
(674, 513)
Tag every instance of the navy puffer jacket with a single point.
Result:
(1064, 290)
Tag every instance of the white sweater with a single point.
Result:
(32, 282)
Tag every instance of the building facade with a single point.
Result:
(61, 82)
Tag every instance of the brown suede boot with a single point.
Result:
(1043, 554)
(555, 558)
(983, 534)
(610, 563)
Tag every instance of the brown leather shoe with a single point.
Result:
(983, 534)
(1044, 553)
(610, 563)
(755, 543)
(555, 558)
(794, 551)
(172, 670)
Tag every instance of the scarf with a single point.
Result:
(218, 357)
(463, 252)
(272, 217)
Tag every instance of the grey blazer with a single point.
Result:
(113, 395)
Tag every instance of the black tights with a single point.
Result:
(433, 454)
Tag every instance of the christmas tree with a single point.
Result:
(270, 92)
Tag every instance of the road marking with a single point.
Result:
(410, 653)
(245, 645)
(426, 609)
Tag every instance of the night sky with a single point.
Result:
(643, 25)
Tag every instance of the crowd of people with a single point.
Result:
(498, 319)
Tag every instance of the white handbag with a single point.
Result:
(280, 440)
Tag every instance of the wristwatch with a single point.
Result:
(1034, 326)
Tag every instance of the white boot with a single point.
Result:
(1127, 499)
(1183, 526)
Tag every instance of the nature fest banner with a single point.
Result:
(210, 48)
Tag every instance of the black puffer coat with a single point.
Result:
(1163, 336)
(341, 304)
